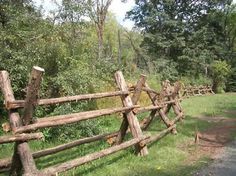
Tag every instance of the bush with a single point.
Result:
(220, 70)
(200, 80)
(231, 83)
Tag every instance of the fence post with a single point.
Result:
(22, 155)
(32, 94)
(135, 98)
(174, 97)
(131, 118)
(161, 111)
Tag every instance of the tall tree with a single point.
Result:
(98, 10)
(172, 29)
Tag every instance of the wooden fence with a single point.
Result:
(197, 90)
(24, 128)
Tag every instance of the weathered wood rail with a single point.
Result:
(24, 128)
(197, 90)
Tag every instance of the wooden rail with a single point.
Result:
(160, 135)
(70, 118)
(197, 91)
(23, 159)
(20, 137)
(91, 157)
(6, 163)
(21, 103)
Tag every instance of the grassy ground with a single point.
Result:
(166, 157)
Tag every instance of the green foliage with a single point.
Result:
(167, 70)
(231, 83)
(194, 81)
(176, 41)
(72, 131)
(66, 51)
(186, 38)
(220, 70)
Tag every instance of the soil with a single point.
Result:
(217, 143)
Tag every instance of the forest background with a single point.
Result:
(80, 45)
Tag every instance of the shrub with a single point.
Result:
(220, 70)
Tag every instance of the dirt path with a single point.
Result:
(217, 143)
(214, 139)
(225, 165)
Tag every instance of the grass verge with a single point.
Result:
(165, 157)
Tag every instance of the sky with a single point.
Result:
(117, 7)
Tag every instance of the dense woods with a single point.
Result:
(81, 44)
(189, 38)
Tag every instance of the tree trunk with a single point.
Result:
(100, 29)
(119, 48)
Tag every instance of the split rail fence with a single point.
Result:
(25, 127)
(197, 90)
